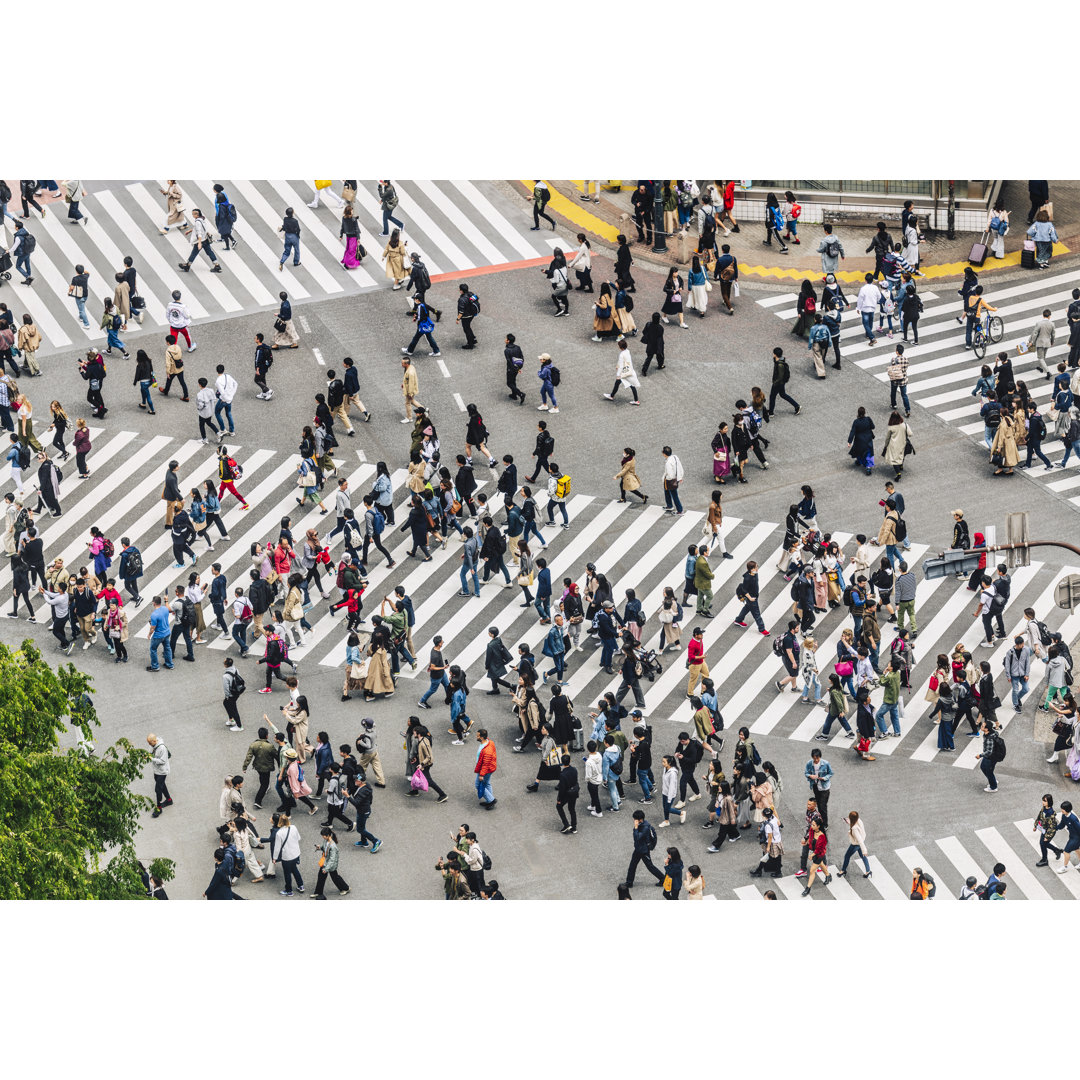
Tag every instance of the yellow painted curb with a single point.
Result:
(942, 270)
(577, 214)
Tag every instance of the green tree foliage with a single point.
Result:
(68, 818)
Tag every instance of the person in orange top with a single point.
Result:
(485, 767)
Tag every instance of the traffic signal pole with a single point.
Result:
(966, 561)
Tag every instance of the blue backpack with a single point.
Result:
(378, 521)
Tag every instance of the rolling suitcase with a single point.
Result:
(579, 737)
(1027, 256)
(977, 255)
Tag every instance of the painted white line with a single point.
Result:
(99, 285)
(41, 265)
(318, 356)
(460, 220)
(1070, 881)
(886, 887)
(911, 858)
(460, 402)
(966, 866)
(412, 211)
(304, 325)
(1022, 878)
(369, 204)
(361, 455)
(443, 368)
(153, 259)
(479, 202)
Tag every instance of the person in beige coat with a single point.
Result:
(1043, 335)
(293, 612)
(410, 388)
(628, 477)
(174, 199)
(378, 679)
(29, 341)
(892, 453)
(122, 298)
(856, 844)
(1005, 444)
(394, 259)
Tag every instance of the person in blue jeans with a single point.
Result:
(290, 229)
(528, 516)
(144, 376)
(436, 671)
(424, 328)
(605, 624)
(556, 650)
(890, 708)
(159, 635)
(21, 252)
(388, 201)
(1018, 670)
(469, 557)
(611, 757)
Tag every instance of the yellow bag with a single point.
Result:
(667, 883)
(320, 184)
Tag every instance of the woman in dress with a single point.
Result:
(604, 314)
(670, 615)
(673, 298)
(699, 290)
(805, 308)
(354, 668)
(394, 259)
(721, 448)
(350, 230)
(379, 679)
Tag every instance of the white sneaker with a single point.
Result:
(406, 420)
(682, 818)
(1052, 759)
(86, 645)
(663, 824)
(457, 742)
(553, 410)
(541, 408)
(1063, 869)
(989, 788)
(679, 805)
(693, 798)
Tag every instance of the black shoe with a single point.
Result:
(1043, 862)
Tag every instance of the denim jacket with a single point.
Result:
(823, 779)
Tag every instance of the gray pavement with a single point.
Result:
(906, 801)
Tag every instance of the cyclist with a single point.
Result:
(977, 307)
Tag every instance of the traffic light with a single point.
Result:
(952, 562)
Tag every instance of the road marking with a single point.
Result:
(443, 368)
(304, 325)
(318, 354)
(460, 402)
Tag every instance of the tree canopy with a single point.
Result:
(68, 817)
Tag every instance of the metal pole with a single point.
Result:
(951, 234)
(659, 240)
(1012, 547)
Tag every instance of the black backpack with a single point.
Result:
(230, 213)
(487, 861)
(5, 192)
(1044, 634)
(900, 529)
(474, 300)
(29, 244)
(652, 838)
(629, 305)
(134, 565)
(555, 382)
(832, 248)
(274, 653)
(425, 278)
(999, 749)
(500, 542)
(117, 321)
(187, 613)
(239, 686)
(24, 456)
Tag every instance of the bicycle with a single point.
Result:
(989, 330)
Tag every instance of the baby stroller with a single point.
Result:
(5, 265)
(650, 665)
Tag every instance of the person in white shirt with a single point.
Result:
(624, 372)
(673, 477)
(180, 319)
(581, 264)
(204, 407)
(986, 598)
(594, 777)
(200, 241)
(1031, 632)
(224, 389)
(867, 304)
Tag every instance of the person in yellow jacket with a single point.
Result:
(29, 341)
(410, 388)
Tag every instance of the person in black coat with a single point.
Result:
(465, 483)
(92, 369)
(515, 360)
(623, 262)
(652, 337)
(567, 794)
(222, 219)
(417, 523)
(183, 532)
(144, 377)
(880, 245)
(496, 658)
(1038, 193)
(560, 717)
(861, 440)
(220, 887)
(49, 485)
(508, 478)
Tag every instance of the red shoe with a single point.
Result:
(245, 507)
(796, 241)
(764, 633)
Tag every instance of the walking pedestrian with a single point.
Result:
(285, 335)
(290, 231)
(200, 241)
(388, 200)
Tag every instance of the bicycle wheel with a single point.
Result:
(978, 343)
(996, 329)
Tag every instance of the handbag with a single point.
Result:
(306, 480)
(844, 668)
(997, 460)
(734, 288)
(1029, 245)
(525, 579)
(279, 325)
(603, 312)
(1060, 727)
(708, 285)
(676, 297)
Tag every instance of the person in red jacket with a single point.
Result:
(485, 767)
(695, 661)
(817, 843)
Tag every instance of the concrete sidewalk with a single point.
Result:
(941, 258)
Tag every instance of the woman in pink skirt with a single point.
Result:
(354, 250)
(721, 447)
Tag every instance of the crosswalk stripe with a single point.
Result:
(965, 865)
(961, 600)
(776, 301)
(92, 501)
(44, 319)
(370, 205)
(169, 276)
(1069, 629)
(235, 262)
(30, 481)
(1022, 878)
(60, 232)
(911, 858)
(42, 265)
(200, 271)
(840, 887)
(155, 309)
(413, 211)
(748, 892)
(438, 198)
(880, 879)
(271, 256)
(506, 230)
(560, 565)
(169, 576)
(589, 667)
(266, 525)
(1070, 880)
(313, 226)
(792, 887)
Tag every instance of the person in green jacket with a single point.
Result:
(703, 578)
(836, 710)
(263, 754)
(328, 865)
(890, 705)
